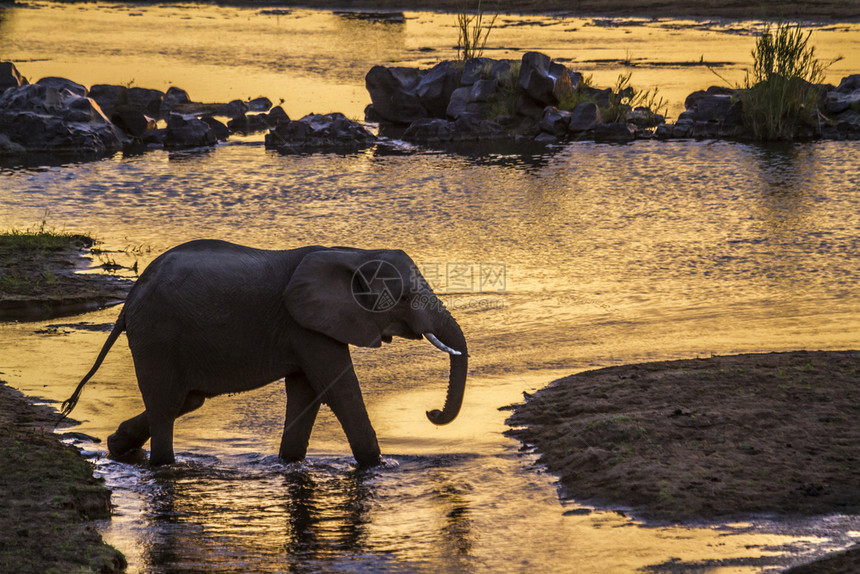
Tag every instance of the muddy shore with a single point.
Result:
(714, 439)
(49, 497)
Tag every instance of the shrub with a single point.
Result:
(779, 94)
(473, 33)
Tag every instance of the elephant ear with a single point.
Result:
(343, 294)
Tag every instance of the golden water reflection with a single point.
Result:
(316, 60)
(612, 254)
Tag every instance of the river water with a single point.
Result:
(577, 257)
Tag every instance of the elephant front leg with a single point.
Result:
(303, 404)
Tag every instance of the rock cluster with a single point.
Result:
(717, 113)
(60, 117)
(487, 99)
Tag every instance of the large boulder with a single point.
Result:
(10, 77)
(585, 116)
(314, 132)
(436, 86)
(109, 97)
(393, 93)
(545, 81)
(43, 119)
(61, 84)
(146, 100)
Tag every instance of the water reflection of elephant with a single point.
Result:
(209, 318)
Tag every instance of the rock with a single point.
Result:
(585, 116)
(43, 119)
(131, 120)
(315, 131)
(472, 128)
(563, 86)
(555, 122)
(233, 109)
(61, 84)
(849, 84)
(436, 86)
(145, 100)
(461, 104)
(249, 124)
(8, 148)
(546, 139)
(643, 117)
(473, 70)
(664, 131)
(277, 114)
(501, 72)
(10, 77)
(183, 133)
(429, 130)
(393, 94)
(483, 90)
(844, 97)
(616, 132)
(220, 130)
(545, 81)
(599, 96)
(173, 98)
(683, 128)
(535, 79)
(528, 107)
(260, 105)
(109, 97)
(710, 107)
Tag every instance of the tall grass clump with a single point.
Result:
(780, 94)
(473, 32)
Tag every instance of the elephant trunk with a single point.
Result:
(451, 336)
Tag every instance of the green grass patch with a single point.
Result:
(780, 94)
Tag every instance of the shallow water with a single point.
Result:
(582, 256)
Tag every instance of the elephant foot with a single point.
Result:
(133, 456)
(120, 444)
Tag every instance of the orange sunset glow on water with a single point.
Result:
(600, 255)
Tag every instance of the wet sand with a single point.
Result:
(714, 439)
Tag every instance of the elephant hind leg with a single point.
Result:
(133, 433)
(303, 404)
(130, 435)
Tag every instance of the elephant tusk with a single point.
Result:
(440, 345)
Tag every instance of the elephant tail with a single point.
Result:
(70, 403)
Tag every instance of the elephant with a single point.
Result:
(210, 317)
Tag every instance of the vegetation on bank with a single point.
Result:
(780, 95)
(49, 495)
(38, 275)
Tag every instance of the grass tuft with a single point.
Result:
(780, 94)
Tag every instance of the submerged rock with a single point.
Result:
(184, 133)
(319, 132)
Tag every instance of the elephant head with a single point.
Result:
(363, 298)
